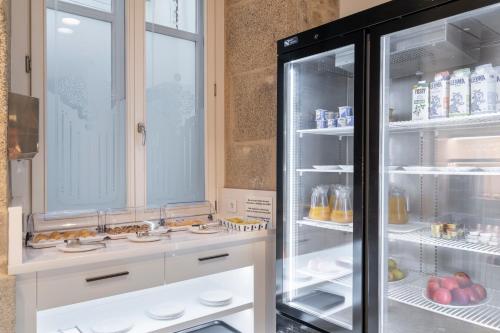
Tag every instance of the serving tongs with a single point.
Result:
(74, 243)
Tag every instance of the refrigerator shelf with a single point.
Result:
(346, 227)
(337, 131)
(473, 121)
(447, 171)
(486, 315)
(424, 237)
(302, 171)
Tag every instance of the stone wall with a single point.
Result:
(7, 283)
(252, 29)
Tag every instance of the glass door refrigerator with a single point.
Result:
(433, 220)
(319, 259)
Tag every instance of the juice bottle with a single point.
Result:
(342, 207)
(398, 207)
(320, 209)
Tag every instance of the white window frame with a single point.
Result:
(135, 33)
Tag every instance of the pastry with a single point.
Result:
(55, 235)
(40, 237)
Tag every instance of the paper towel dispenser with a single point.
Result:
(23, 127)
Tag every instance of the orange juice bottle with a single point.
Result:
(320, 209)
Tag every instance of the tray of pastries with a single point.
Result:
(51, 239)
(121, 232)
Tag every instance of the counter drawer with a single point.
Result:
(77, 284)
(187, 266)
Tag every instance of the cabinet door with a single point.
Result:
(320, 189)
(98, 281)
(437, 197)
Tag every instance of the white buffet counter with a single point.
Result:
(58, 290)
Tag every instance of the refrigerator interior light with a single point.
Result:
(291, 180)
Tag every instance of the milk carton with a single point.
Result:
(439, 95)
(420, 101)
(460, 93)
(483, 86)
(497, 69)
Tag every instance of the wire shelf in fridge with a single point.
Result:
(346, 227)
(486, 315)
(336, 131)
(472, 121)
(424, 237)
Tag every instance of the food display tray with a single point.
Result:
(244, 227)
(216, 326)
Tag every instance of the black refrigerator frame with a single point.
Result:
(370, 25)
(358, 39)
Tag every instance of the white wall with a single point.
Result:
(348, 7)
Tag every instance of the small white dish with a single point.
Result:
(78, 249)
(166, 311)
(45, 244)
(117, 325)
(216, 298)
(144, 239)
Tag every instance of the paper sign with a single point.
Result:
(259, 208)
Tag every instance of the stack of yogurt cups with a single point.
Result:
(329, 119)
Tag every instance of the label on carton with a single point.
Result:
(459, 93)
(420, 101)
(483, 90)
(439, 96)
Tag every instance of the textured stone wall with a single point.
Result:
(7, 283)
(252, 29)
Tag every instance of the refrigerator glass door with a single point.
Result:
(439, 199)
(318, 186)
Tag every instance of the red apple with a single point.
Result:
(463, 279)
(432, 286)
(480, 291)
(473, 296)
(442, 296)
(460, 296)
(434, 279)
(449, 282)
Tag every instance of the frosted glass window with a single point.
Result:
(103, 5)
(175, 137)
(85, 112)
(176, 14)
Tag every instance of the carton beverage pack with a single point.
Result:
(459, 93)
(420, 101)
(439, 95)
(483, 85)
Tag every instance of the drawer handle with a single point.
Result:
(105, 277)
(217, 256)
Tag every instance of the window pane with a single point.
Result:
(175, 143)
(177, 14)
(103, 5)
(85, 113)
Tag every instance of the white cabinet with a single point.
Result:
(188, 266)
(68, 286)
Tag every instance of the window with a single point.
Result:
(100, 79)
(85, 105)
(175, 150)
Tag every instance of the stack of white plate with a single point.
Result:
(166, 311)
(216, 298)
(116, 325)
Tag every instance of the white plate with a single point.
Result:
(451, 306)
(216, 297)
(346, 262)
(346, 167)
(119, 236)
(419, 168)
(77, 249)
(196, 230)
(326, 167)
(117, 325)
(97, 238)
(332, 275)
(45, 244)
(145, 239)
(166, 311)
